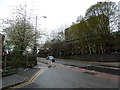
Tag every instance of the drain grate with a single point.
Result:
(91, 73)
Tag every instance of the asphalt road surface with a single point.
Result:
(63, 76)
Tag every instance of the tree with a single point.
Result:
(20, 32)
(105, 13)
(93, 33)
(56, 44)
(20, 35)
(80, 33)
(101, 18)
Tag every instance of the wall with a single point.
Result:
(97, 57)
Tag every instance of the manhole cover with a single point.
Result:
(91, 73)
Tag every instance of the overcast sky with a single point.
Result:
(58, 12)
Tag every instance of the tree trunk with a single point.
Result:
(101, 48)
(82, 51)
(76, 50)
(94, 50)
(89, 49)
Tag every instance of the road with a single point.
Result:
(63, 76)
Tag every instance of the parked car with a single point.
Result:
(51, 58)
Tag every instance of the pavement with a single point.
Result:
(110, 64)
(20, 77)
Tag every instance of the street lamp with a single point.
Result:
(35, 47)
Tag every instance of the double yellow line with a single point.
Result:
(31, 80)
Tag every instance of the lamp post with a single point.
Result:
(35, 46)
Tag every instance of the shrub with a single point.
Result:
(16, 61)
